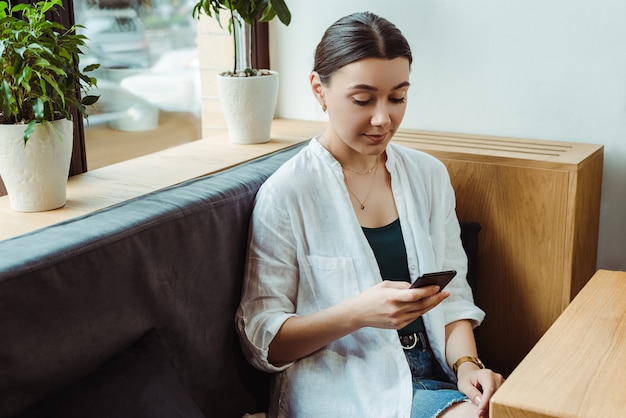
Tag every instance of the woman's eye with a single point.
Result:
(361, 101)
(367, 101)
(397, 100)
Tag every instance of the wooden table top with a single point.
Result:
(577, 368)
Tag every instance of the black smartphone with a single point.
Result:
(440, 278)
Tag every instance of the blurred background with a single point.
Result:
(148, 80)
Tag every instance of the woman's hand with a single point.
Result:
(386, 305)
(394, 305)
(478, 385)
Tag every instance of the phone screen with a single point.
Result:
(440, 278)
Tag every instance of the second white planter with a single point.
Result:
(249, 104)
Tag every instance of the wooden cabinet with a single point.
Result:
(538, 203)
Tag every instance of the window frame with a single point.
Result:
(78, 163)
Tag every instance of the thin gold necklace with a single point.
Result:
(363, 173)
(374, 168)
(360, 173)
(362, 202)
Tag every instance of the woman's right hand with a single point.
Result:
(388, 304)
(394, 305)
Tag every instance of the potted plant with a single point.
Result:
(40, 84)
(248, 95)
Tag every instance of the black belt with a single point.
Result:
(415, 340)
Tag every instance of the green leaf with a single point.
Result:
(89, 100)
(20, 51)
(5, 94)
(50, 4)
(282, 11)
(29, 130)
(52, 82)
(91, 67)
(24, 76)
(268, 14)
(19, 8)
(3, 9)
(38, 108)
(56, 70)
(39, 75)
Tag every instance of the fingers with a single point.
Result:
(424, 305)
(479, 399)
(483, 406)
(395, 284)
(428, 295)
(398, 304)
(480, 387)
(475, 395)
(416, 307)
(489, 387)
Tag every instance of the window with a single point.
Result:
(151, 30)
(148, 80)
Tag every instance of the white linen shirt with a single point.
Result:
(307, 252)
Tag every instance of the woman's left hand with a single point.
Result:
(479, 386)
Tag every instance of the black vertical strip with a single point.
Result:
(78, 164)
(261, 46)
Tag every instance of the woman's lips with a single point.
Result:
(377, 138)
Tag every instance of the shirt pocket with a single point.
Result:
(331, 279)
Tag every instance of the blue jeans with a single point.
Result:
(433, 392)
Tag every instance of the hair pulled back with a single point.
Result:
(355, 37)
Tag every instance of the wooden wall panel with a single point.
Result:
(538, 204)
(585, 219)
(520, 284)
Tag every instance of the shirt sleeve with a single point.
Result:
(270, 279)
(460, 304)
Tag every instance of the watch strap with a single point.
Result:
(465, 359)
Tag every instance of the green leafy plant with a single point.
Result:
(40, 78)
(243, 12)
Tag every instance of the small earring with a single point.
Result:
(324, 108)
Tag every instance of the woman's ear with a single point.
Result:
(318, 89)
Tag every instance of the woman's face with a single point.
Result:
(366, 101)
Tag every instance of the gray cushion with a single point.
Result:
(74, 294)
(139, 382)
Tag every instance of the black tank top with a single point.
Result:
(388, 246)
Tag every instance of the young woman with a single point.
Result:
(338, 233)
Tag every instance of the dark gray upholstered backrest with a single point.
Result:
(74, 294)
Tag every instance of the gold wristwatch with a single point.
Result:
(465, 359)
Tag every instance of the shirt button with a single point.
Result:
(413, 267)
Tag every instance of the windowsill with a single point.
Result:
(116, 183)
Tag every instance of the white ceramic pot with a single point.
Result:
(35, 174)
(249, 104)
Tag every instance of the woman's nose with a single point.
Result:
(381, 116)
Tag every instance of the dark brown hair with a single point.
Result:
(355, 37)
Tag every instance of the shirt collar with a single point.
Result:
(325, 156)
